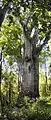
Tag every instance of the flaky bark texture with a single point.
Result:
(31, 60)
(31, 68)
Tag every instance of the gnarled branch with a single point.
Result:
(44, 42)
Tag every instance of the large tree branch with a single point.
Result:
(3, 10)
(44, 42)
(25, 30)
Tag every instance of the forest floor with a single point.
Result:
(27, 109)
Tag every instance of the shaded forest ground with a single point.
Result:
(28, 109)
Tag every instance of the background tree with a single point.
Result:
(44, 69)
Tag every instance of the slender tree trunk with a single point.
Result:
(1, 101)
(10, 92)
(46, 76)
(10, 87)
(0, 77)
(0, 85)
(20, 81)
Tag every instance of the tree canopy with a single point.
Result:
(31, 12)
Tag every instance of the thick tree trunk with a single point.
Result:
(36, 75)
(31, 70)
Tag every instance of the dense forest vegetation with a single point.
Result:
(25, 60)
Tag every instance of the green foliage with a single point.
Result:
(30, 110)
(10, 79)
(35, 13)
(44, 88)
(10, 38)
(45, 53)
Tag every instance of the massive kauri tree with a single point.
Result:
(34, 16)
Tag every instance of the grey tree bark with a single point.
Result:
(31, 60)
(31, 67)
